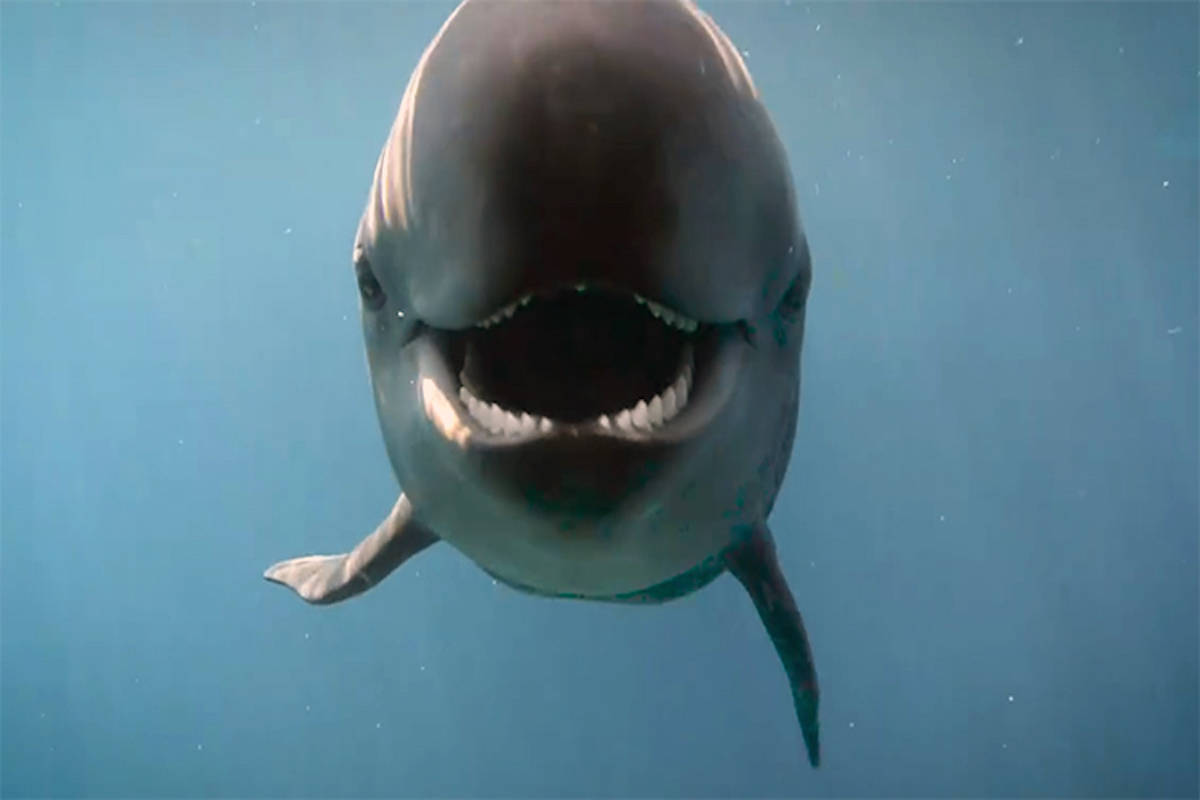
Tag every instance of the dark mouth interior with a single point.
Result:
(573, 356)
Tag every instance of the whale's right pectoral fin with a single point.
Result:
(330, 579)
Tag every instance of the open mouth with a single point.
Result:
(583, 359)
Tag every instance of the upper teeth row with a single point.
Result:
(672, 318)
(645, 415)
(505, 312)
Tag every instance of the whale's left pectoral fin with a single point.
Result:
(754, 563)
(328, 579)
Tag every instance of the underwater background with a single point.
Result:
(990, 520)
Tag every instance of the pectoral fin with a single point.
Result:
(330, 579)
(754, 563)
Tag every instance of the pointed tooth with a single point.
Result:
(641, 301)
(526, 299)
(495, 418)
(669, 406)
(512, 425)
(544, 424)
(604, 421)
(641, 416)
(681, 393)
(656, 410)
(624, 422)
(464, 395)
(527, 424)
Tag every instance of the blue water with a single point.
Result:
(990, 521)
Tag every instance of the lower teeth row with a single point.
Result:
(646, 415)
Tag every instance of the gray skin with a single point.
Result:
(577, 152)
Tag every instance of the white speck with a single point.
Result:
(258, 120)
(306, 635)
(378, 725)
(174, 194)
(1010, 698)
(345, 317)
(181, 441)
(495, 582)
(1097, 140)
(308, 708)
(1120, 51)
(812, 563)
(400, 314)
(954, 160)
(417, 573)
(837, 77)
(891, 141)
(1057, 152)
(941, 517)
(1020, 41)
(199, 747)
(947, 176)
(791, 249)
(818, 26)
(422, 668)
(745, 54)
(851, 724)
(1175, 331)
(1010, 290)
(847, 154)
(287, 231)
(816, 188)
(1004, 746)
(43, 715)
(1166, 184)
(1078, 328)
(20, 204)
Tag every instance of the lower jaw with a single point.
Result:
(707, 377)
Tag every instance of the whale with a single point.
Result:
(583, 281)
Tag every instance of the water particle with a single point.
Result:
(199, 747)
(308, 708)
(941, 517)
(1020, 41)
(306, 635)
(1010, 698)
(287, 231)
(851, 724)
(1166, 184)
(1175, 331)
(378, 725)
(400, 314)
(818, 26)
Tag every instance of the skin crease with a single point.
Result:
(585, 152)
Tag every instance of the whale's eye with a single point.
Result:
(368, 286)
(793, 299)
